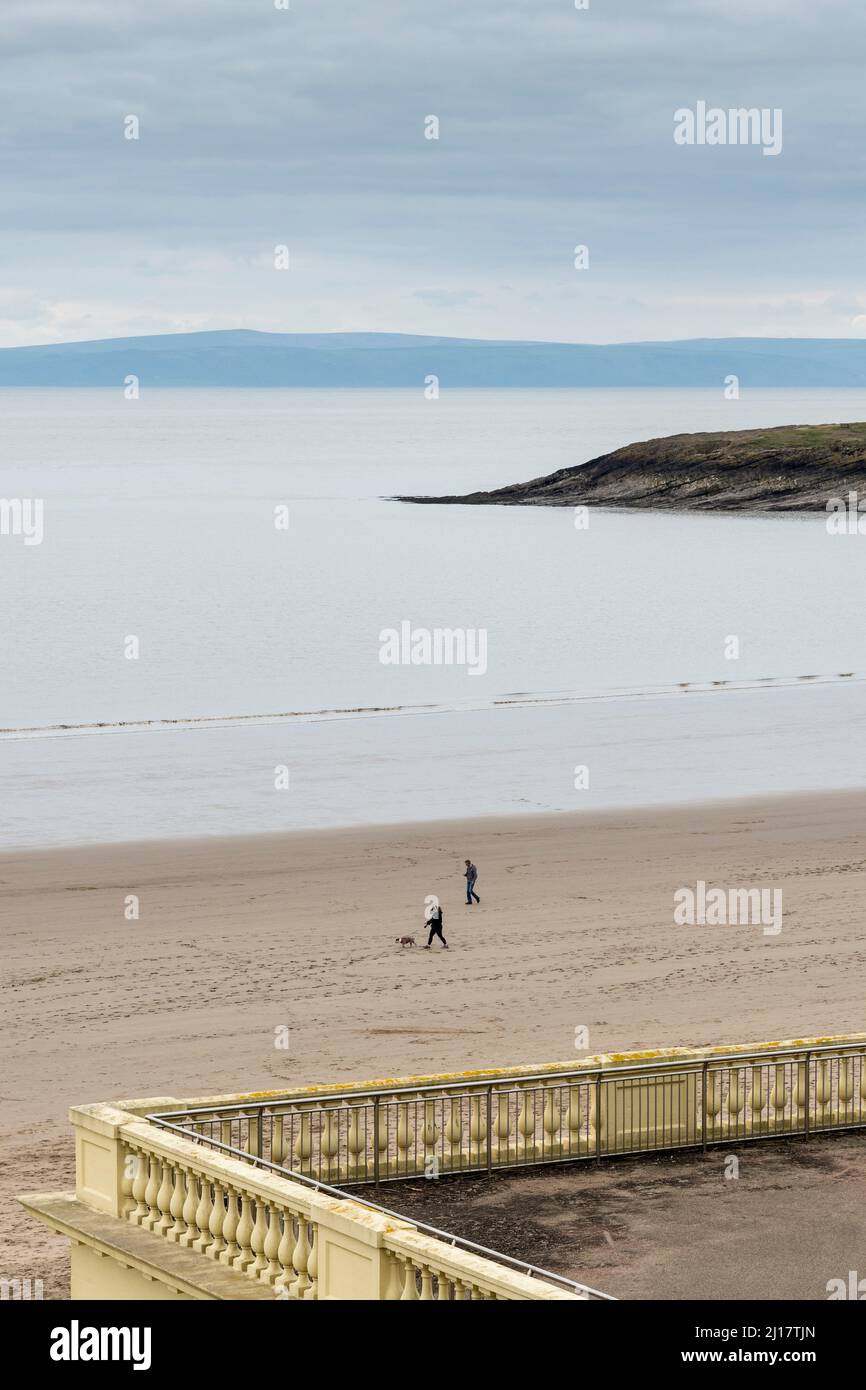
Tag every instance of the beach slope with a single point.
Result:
(238, 940)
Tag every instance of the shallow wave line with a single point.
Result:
(522, 699)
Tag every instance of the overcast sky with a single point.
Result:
(261, 127)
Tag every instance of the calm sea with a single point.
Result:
(159, 526)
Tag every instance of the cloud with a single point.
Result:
(306, 127)
(446, 299)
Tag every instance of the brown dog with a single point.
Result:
(405, 940)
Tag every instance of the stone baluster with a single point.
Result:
(230, 1230)
(758, 1100)
(278, 1140)
(431, 1132)
(410, 1287)
(139, 1187)
(454, 1133)
(150, 1194)
(304, 1141)
(163, 1201)
(846, 1087)
(801, 1093)
(329, 1143)
(526, 1124)
(426, 1295)
(127, 1202)
(382, 1139)
(778, 1097)
(244, 1233)
(598, 1137)
(443, 1288)
(823, 1089)
(190, 1207)
(178, 1199)
(575, 1136)
(356, 1142)
(551, 1122)
(478, 1129)
(736, 1098)
(284, 1255)
(300, 1259)
(404, 1137)
(394, 1285)
(313, 1265)
(272, 1245)
(254, 1134)
(713, 1101)
(257, 1241)
(216, 1224)
(504, 1149)
(202, 1218)
(286, 1277)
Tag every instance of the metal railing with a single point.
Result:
(557, 1116)
(453, 1241)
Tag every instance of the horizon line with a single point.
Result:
(440, 337)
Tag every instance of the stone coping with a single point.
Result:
(598, 1061)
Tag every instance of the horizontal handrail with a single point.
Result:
(458, 1242)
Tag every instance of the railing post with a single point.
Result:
(808, 1089)
(376, 1140)
(489, 1129)
(704, 1107)
(598, 1118)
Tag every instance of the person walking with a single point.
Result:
(470, 876)
(434, 922)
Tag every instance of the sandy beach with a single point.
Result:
(238, 939)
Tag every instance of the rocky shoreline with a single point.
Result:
(793, 468)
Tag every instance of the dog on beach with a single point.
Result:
(405, 940)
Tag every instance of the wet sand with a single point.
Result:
(240, 939)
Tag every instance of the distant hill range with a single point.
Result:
(241, 358)
(796, 468)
